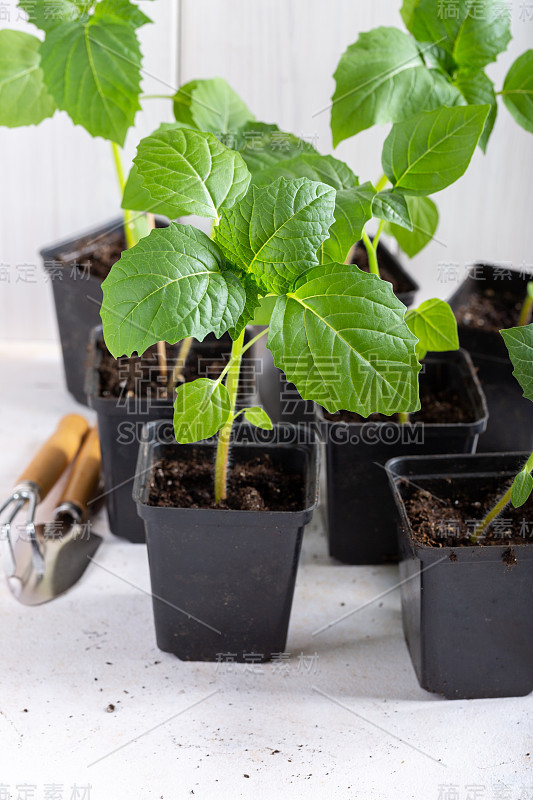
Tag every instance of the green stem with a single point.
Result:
(525, 311)
(224, 436)
(128, 216)
(383, 181)
(403, 417)
(372, 257)
(157, 97)
(378, 234)
(497, 509)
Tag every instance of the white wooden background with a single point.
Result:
(279, 55)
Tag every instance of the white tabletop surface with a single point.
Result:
(343, 717)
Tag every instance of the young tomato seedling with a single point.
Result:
(519, 342)
(267, 242)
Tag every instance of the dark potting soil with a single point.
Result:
(444, 513)
(443, 405)
(256, 485)
(95, 256)
(387, 269)
(141, 376)
(490, 310)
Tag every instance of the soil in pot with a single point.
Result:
(223, 576)
(93, 256)
(489, 310)
(256, 485)
(467, 608)
(361, 512)
(445, 513)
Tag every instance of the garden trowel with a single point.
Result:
(54, 556)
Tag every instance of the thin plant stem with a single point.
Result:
(381, 183)
(525, 311)
(372, 257)
(403, 417)
(157, 97)
(497, 509)
(224, 436)
(128, 216)
(376, 237)
(180, 362)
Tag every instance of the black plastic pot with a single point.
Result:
(505, 399)
(120, 422)
(77, 299)
(361, 513)
(223, 581)
(467, 615)
(280, 398)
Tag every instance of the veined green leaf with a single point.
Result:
(432, 149)
(473, 32)
(517, 90)
(353, 209)
(478, 89)
(425, 218)
(201, 408)
(172, 284)
(264, 310)
(407, 12)
(217, 108)
(190, 172)
(519, 343)
(92, 70)
(24, 99)
(253, 298)
(392, 206)
(341, 338)
(122, 10)
(262, 145)
(258, 417)
(382, 78)
(324, 169)
(273, 233)
(435, 326)
(521, 488)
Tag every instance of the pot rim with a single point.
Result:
(474, 552)
(145, 462)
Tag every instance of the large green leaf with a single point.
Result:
(472, 32)
(24, 99)
(262, 145)
(46, 15)
(314, 166)
(407, 12)
(273, 233)
(382, 78)
(353, 209)
(392, 206)
(433, 149)
(517, 90)
(190, 172)
(341, 338)
(424, 217)
(92, 70)
(478, 89)
(172, 284)
(519, 343)
(201, 408)
(434, 325)
(214, 106)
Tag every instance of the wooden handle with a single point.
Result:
(56, 453)
(85, 476)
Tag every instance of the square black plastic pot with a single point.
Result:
(467, 615)
(223, 581)
(77, 300)
(280, 398)
(361, 514)
(505, 399)
(120, 423)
